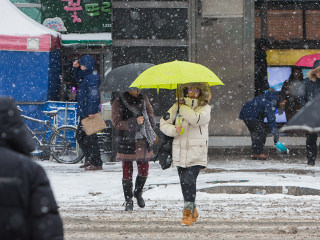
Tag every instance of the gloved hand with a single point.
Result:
(275, 138)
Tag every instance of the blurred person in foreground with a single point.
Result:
(132, 116)
(311, 90)
(253, 113)
(28, 209)
(88, 104)
(188, 123)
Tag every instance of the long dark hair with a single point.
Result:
(291, 78)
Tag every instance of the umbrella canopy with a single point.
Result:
(119, 79)
(307, 119)
(308, 60)
(169, 75)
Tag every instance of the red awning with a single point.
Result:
(43, 43)
(18, 32)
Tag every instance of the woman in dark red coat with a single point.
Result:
(132, 117)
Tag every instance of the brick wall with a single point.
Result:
(313, 25)
(257, 25)
(286, 25)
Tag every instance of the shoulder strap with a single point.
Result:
(114, 96)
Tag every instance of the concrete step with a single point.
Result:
(240, 147)
(238, 141)
(289, 190)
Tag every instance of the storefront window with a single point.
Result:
(31, 8)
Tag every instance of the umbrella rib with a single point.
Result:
(298, 127)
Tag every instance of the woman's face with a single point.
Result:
(318, 73)
(193, 92)
(83, 67)
(296, 74)
(135, 93)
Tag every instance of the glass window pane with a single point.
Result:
(25, 1)
(33, 13)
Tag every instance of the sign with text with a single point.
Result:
(77, 16)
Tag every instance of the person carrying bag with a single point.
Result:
(93, 124)
(88, 105)
(132, 117)
(189, 129)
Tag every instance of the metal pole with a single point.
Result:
(66, 113)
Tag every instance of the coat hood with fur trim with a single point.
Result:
(204, 98)
(312, 73)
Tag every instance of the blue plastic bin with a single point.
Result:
(67, 113)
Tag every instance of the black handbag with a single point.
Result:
(164, 155)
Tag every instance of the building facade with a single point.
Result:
(221, 35)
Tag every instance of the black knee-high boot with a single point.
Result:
(140, 181)
(127, 190)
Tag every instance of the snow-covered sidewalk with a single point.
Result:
(90, 197)
(72, 184)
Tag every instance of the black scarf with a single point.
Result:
(138, 107)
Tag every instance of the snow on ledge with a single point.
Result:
(87, 36)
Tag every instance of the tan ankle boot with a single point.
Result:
(195, 215)
(187, 218)
(261, 156)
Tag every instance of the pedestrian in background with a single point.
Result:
(88, 104)
(133, 118)
(293, 90)
(311, 90)
(28, 209)
(190, 144)
(253, 113)
(261, 67)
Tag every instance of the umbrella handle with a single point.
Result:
(179, 122)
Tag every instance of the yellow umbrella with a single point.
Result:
(169, 75)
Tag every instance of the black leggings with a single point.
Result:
(188, 180)
(311, 146)
(89, 145)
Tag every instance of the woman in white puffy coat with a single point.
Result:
(190, 144)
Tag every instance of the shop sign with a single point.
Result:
(77, 16)
(33, 43)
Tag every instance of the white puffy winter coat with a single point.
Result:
(191, 147)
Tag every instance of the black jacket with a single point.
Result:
(28, 209)
(88, 92)
(312, 83)
(312, 89)
(262, 106)
(260, 71)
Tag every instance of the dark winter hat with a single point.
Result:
(13, 132)
(316, 64)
